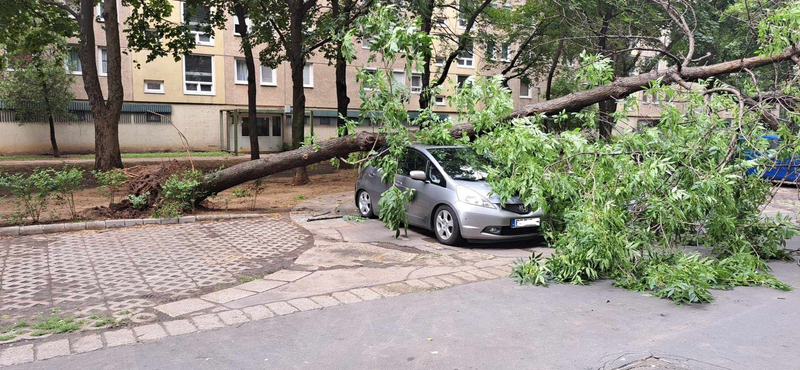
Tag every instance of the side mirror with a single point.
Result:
(418, 175)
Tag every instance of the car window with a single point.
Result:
(414, 161)
(435, 176)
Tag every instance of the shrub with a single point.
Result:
(179, 194)
(66, 184)
(31, 193)
(110, 182)
(138, 201)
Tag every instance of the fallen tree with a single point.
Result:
(365, 141)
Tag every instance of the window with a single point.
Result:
(198, 74)
(372, 72)
(102, 56)
(325, 121)
(238, 28)
(399, 78)
(436, 176)
(505, 52)
(439, 100)
(441, 22)
(462, 79)
(98, 9)
(197, 20)
(153, 87)
(439, 61)
(462, 12)
(490, 46)
(262, 126)
(416, 83)
(466, 58)
(276, 126)
(73, 62)
(524, 90)
(308, 75)
(152, 117)
(414, 161)
(366, 42)
(241, 71)
(268, 76)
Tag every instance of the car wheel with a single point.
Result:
(446, 226)
(364, 204)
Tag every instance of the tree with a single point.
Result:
(241, 9)
(37, 87)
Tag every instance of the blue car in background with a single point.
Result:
(786, 170)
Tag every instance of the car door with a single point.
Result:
(420, 206)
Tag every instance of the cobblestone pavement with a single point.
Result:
(137, 268)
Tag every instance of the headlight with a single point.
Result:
(470, 196)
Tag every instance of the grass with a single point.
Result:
(103, 321)
(247, 279)
(300, 197)
(22, 157)
(56, 325)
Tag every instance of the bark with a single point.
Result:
(297, 61)
(342, 100)
(552, 72)
(605, 119)
(53, 137)
(426, 15)
(106, 112)
(252, 120)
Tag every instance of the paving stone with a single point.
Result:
(366, 294)
(179, 327)
(151, 221)
(52, 349)
(258, 312)
(497, 271)
(75, 226)
(281, 308)
(325, 300)
(346, 297)
(9, 231)
(466, 276)
(386, 291)
(96, 225)
(233, 317)
(227, 295)
(187, 220)
(134, 222)
(207, 217)
(115, 224)
(418, 283)
(483, 274)
(87, 343)
(208, 322)
(436, 282)
(31, 230)
(451, 279)
(16, 355)
(260, 285)
(169, 221)
(53, 228)
(304, 304)
(287, 275)
(119, 337)
(184, 306)
(150, 332)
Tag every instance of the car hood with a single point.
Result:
(482, 188)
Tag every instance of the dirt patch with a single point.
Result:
(278, 195)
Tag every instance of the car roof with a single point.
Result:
(427, 147)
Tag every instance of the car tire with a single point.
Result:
(446, 226)
(364, 204)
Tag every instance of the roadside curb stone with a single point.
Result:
(281, 308)
(87, 344)
(9, 231)
(233, 317)
(179, 327)
(119, 337)
(16, 355)
(208, 322)
(305, 304)
(257, 313)
(48, 350)
(150, 332)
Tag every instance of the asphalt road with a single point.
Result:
(493, 325)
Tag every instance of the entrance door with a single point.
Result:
(268, 132)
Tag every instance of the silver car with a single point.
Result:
(451, 197)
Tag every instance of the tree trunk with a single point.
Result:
(252, 119)
(53, 136)
(364, 141)
(342, 100)
(105, 112)
(297, 61)
(548, 90)
(426, 13)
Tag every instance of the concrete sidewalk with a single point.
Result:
(494, 325)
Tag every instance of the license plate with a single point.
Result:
(524, 222)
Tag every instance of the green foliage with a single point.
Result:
(32, 193)
(255, 189)
(179, 194)
(138, 201)
(66, 184)
(393, 205)
(110, 182)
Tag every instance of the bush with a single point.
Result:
(179, 194)
(66, 184)
(110, 182)
(138, 201)
(31, 193)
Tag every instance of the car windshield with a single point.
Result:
(461, 163)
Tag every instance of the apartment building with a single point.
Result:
(204, 95)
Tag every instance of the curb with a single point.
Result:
(115, 224)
